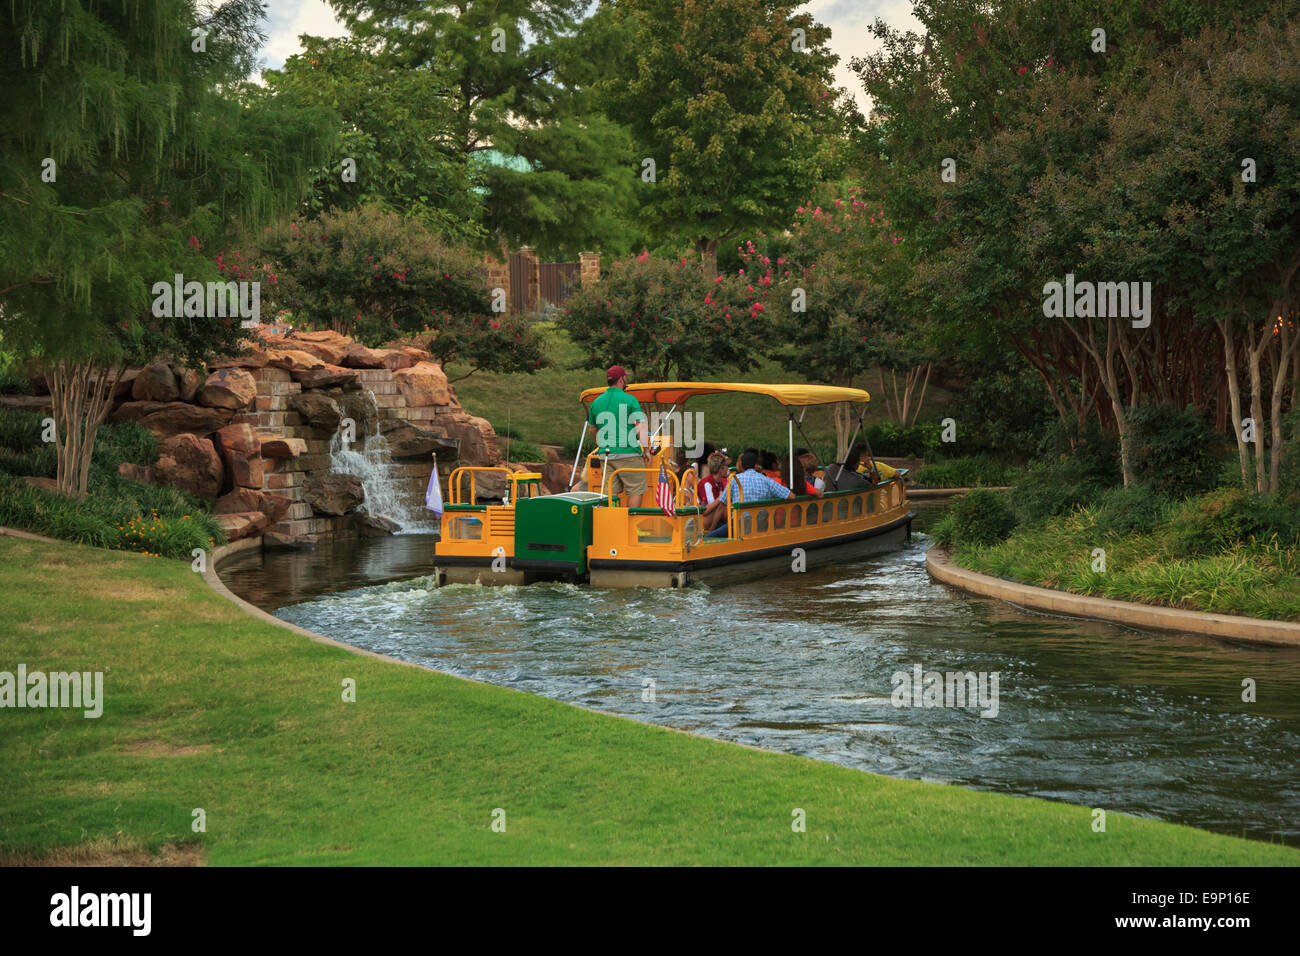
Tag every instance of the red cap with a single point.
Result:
(614, 373)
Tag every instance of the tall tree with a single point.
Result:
(125, 150)
(732, 102)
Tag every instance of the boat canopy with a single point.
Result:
(674, 393)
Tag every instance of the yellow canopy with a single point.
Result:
(674, 393)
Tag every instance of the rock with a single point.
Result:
(395, 359)
(423, 385)
(241, 451)
(240, 438)
(232, 388)
(293, 360)
(330, 347)
(252, 358)
(122, 392)
(283, 447)
(370, 525)
(358, 356)
(361, 408)
(326, 375)
(188, 381)
(407, 440)
(155, 383)
(244, 500)
(243, 525)
(477, 441)
(416, 355)
(44, 484)
(555, 476)
(333, 494)
(317, 409)
(487, 485)
(139, 473)
(190, 463)
(551, 452)
(165, 419)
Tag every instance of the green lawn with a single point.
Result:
(209, 708)
(544, 407)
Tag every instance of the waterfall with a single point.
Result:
(374, 466)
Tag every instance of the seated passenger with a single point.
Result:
(812, 471)
(843, 476)
(710, 494)
(801, 485)
(749, 484)
(769, 466)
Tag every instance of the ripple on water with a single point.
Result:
(1088, 713)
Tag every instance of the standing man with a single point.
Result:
(621, 437)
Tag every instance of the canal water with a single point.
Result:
(1152, 725)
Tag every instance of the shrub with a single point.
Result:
(1138, 509)
(1173, 450)
(967, 472)
(1227, 518)
(905, 441)
(666, 320)
(521, 450)
(378, 275)
(980, 517)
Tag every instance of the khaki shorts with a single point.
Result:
(632, 482)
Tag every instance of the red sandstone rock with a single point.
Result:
(232, 388)
(245, 500)
(241, 450)
(333, 494)
(283, 447)
(188, 381)
(155, 383)
(293, 360)
(422, 385)
(358, 356)
(328, 375)
(252, 358)
(165, 419)
(245, 525)
(191, 464)
(136, 472)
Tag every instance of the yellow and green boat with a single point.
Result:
(590, 537)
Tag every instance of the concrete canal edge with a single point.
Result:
(1227, 627)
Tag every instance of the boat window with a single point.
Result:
(812, 514)
(857, 506)
(842, 509)
(826, 511)
(747, 523)
(654, 531)
(761, 520)
(796, 516)
(778, 518)
(871, 502)
(466, 529)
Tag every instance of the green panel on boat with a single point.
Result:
(552, 533)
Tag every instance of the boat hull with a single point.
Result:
(745, 566)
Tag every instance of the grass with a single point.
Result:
(209, 708)
(1255, 578)
(967, 472)
(543, 407)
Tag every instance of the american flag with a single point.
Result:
(664, 492)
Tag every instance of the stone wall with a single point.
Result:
(253, 432)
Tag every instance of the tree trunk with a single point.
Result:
(708, 250)
(1254, 355)
(1234, 397)
(81, 394)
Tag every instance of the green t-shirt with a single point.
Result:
(614, 415)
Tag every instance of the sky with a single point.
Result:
(849, 21)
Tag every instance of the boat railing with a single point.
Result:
(454, 482)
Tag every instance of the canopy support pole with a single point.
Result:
(790, 429)
(582, 440)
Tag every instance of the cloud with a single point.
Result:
(849, 21)
(291, 18)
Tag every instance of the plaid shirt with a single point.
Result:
(756, 486)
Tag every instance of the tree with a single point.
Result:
(732, 101)
(395, 129)
(126, 148)
(378, 275)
